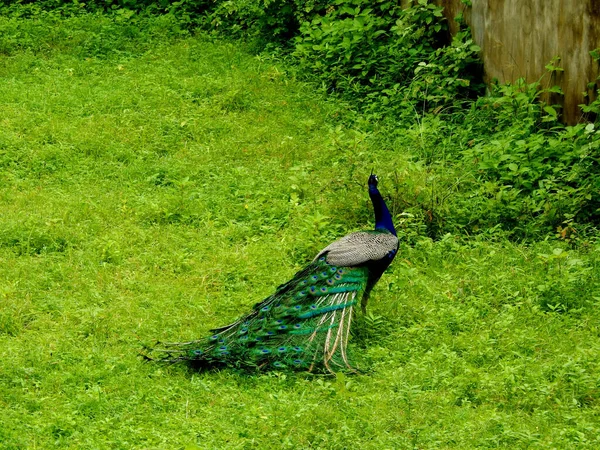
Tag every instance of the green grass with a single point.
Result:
(158, 185)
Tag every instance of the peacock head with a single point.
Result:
(373, 180)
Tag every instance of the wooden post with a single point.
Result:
(518, 38)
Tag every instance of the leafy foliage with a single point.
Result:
(592, 106)
(526, 173)
(387, 57)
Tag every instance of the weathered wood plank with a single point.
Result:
(519, 37)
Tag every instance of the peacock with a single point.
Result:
(305, 323)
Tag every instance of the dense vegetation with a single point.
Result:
(157, 179)
(501, 161)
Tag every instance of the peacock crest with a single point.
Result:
(305, 323)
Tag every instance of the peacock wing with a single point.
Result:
(359, 248)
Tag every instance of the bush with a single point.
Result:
(263, 23)
(506, 164)
(481, 164)
(385, 57)
(530, 174)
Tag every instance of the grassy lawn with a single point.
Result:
(154, 185)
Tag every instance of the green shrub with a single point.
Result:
(385, 57)
(91, 5)
(264, 23)
(505, 164)
(591, 107)
(532, 176)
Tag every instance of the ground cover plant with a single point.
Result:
(155, 183)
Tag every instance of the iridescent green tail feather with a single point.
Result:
(305, 324)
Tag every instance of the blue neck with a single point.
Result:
(383, 218)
